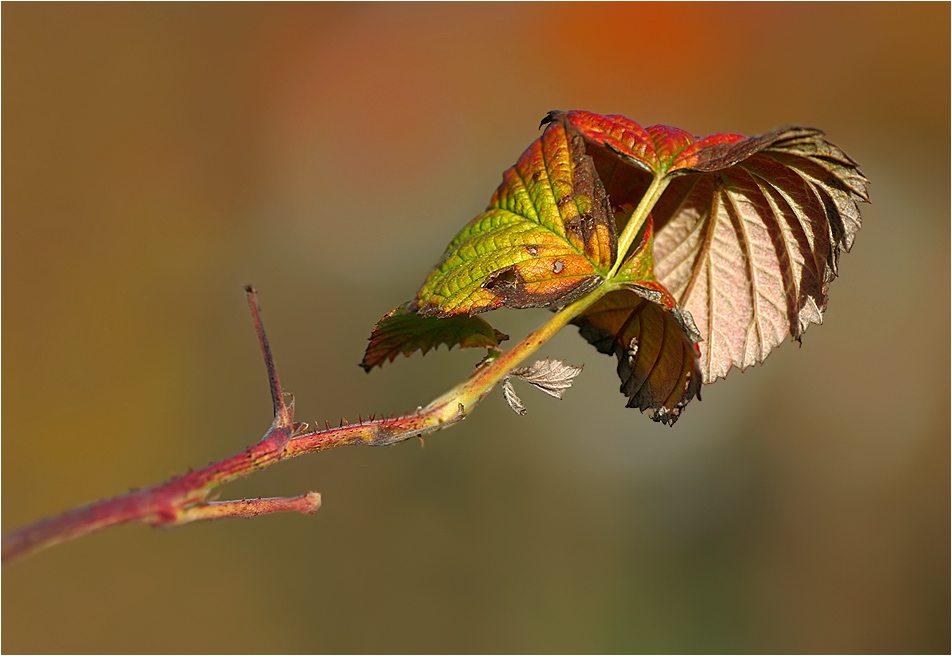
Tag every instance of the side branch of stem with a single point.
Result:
(183, 499)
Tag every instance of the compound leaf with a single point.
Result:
(744, 238)
(403, 331)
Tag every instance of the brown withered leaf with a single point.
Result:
(551, 376)
(653, 339)
(512, 399)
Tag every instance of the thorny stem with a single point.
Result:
(277, 394)
(283, 413)
(183, 499)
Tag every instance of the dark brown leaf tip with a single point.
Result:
(551, 117)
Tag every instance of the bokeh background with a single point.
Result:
(158, 157)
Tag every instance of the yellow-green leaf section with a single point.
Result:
(547, 237)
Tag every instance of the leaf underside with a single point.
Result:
(403, 331)
(749, 230)
(657, 359)
(652, 338)
(551, 376)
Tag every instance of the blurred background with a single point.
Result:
(160, 156)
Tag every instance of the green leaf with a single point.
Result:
(404, 331)
(547, 237)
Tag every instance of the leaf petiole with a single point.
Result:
(658, 184)
(471, 391)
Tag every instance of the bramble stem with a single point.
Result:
(182, 499)
(472, 390)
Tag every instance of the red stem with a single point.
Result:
(183, 499)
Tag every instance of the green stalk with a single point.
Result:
(460, 400)
(463, 397)
(638, 218)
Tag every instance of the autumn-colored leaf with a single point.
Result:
(403, 331)
(657, 358)
(749, 230)
(659, 149)
(639, 266)
(547, 237)
(653, 339)
(732, 245)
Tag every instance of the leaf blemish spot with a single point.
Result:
(558, 266)
(532, 250)
(632, 349)
(501, 280)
